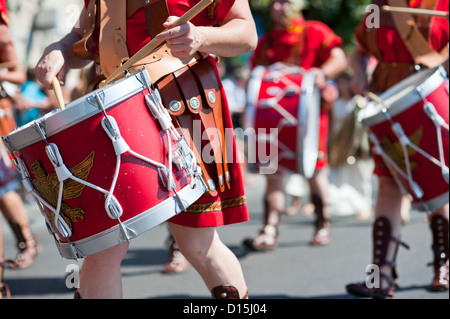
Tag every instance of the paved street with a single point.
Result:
(294, 271)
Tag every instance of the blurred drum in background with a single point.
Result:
(284, 109)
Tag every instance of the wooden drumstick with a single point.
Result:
(58, 93)
(153, 44)
(416, 11)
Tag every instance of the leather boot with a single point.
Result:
(267, 238)
(439, 229)
(382, 235)
(322, 234)
(27, 245)
(226, 292)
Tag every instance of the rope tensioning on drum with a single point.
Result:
(405, 142)
(182, 155)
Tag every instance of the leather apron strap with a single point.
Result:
(416, 43)
(113, 33)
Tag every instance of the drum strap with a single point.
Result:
(191, 93)
(414, 40)
(113, 33)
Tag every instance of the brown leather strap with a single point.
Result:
(83, 48)
(207, 78)
(113, 34)
(175, 102)
(414, 40)
(193, 95)
(156, 13)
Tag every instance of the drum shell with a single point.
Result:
(138, 188)
(408, 111)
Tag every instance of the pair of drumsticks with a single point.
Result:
(142, 53)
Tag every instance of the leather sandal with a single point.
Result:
(177, 262)
(322, 233)
(361, 289)
(266, 240)
(382, 235)
(28, 246)
(439, 229)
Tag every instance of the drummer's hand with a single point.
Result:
(330, 93)
(321, 79)
(51, 64)
(183, 40)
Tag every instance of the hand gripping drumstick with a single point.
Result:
(58, 93)
(149, 47)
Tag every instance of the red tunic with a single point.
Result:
(3, 12)
(390, 43)
(307, 44)
(394, 51)
(230, 206)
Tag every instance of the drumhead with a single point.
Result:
(77, 111)
(402, 96)
(308, 130)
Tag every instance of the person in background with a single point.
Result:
(313, 46)
(11, 204)
(395, 63)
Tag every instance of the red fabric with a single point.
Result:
(137, 35)
(276, 46)
(234, 198)
(391, 45)
(283, 46)
(3, 12)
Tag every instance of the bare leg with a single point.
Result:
(100, 276)
(215, 262)
(318, 185)
(274, 203)
(13, 209)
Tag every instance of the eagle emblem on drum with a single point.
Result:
(48, 187)
(395, 150)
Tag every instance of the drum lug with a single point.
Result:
(126, 233)
(76, 253)
(180, 202)
(164, 176)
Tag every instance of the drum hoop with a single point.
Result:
(308, 128)
(433, 79)
(141, 223)
(432, 204)
(254, 86)
(77, 111)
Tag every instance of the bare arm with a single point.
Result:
(359, 83)
(235, 36)
(58, 57)
(15, 72)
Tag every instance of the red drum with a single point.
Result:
(408, 126)
(107, 168)
(283, 108)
